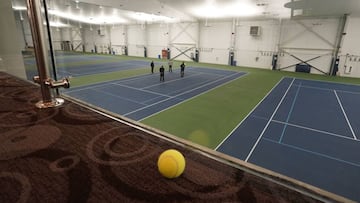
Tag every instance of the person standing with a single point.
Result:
(152, 66)
(162, 71)
(182, 69)
(170, 65)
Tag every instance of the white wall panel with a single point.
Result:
(186, 32)
(136, 40)
(92, 39)
(118, 35)
(118, 39)
(183, 36)
(11, 59)
(56, 38)
(65, 34)
(215, 36)
(256, 51)
(306, 40)
(310, 34)
(157, 39)
(89, 40)
(351, 44)
(350, 54)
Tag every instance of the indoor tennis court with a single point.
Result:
(92, 93)
(307, 130)
(142, 96)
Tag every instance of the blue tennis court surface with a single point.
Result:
(71, 58)
(67, 68)
(143, 96)
(307, 130)
(90, 69)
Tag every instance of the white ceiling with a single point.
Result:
(127, 11)
(184, 9)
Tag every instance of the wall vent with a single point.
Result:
(254, 30)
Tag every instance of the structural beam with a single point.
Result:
(339, 39)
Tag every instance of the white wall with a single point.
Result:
(309, 40)
(183, 36)
(118, 39)
(350, 54)
(157, 39)
(11, 59)
(23, 27)
(256, 51)
(92, 38)
(215, 41)
(56, 38)
(296, 41)
(136, 39)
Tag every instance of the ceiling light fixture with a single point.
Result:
(92, 20)
(144, 17)
(214, 10)
(19, 8)
(57, 24)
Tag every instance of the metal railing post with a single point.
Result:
(41, 56)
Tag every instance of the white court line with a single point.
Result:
(267, 124)
(194, 96)
(144, 102)
(314, 152)
(196, 70)
(155, 98)
(347, 120)
(136, 77)
(123, 98)
(192, 85)
(304, 127)
(169, 81)
(331, 82)
(236, 127)
(156, 93)
(140, 89)
(93, 86)
(327, 89)
(315, 130)
(176, 95)
(141, 78)
(67, 73)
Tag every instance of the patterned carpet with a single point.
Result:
(72, 154)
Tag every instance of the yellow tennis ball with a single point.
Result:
(171, 163)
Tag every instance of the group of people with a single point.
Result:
(162, 69)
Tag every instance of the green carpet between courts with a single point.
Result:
(209, 118)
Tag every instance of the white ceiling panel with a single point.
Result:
(165, 11)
